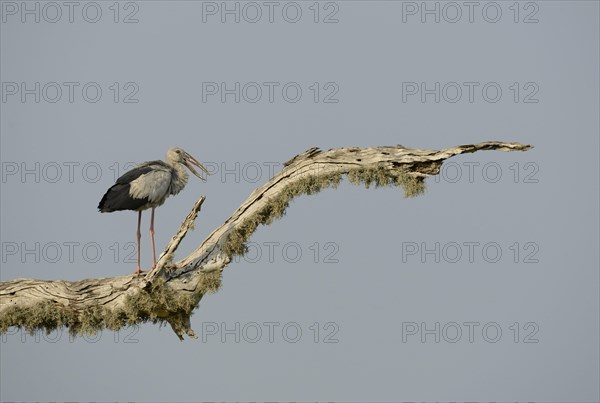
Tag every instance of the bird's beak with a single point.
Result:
(189, 160)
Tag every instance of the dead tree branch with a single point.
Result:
(172, 291)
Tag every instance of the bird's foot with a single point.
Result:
(139, 271)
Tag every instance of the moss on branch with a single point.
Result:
(158, 303)
(311, 184)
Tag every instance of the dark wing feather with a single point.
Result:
(138, 171)
(118, 198)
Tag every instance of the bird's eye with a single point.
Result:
(178, 151)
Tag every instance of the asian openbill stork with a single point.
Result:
(147, 186)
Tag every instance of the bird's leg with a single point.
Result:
(152, 237)
(139, 236)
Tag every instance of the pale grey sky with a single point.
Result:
(484, 288)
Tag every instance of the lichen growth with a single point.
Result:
(413, 185)
(45, 315)
(156, 304)
(380, 176)
(235, 243)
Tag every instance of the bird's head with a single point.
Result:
(178, 155)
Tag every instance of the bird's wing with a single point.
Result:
(147, 183)
(152, 185)
(139, 170)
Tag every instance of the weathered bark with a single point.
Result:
(172, 290)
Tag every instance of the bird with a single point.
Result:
(148, 185)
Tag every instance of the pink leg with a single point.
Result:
(139, 236)
(152, 237)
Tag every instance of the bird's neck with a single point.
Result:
(179, 180)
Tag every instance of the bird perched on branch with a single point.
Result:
(147, 186)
